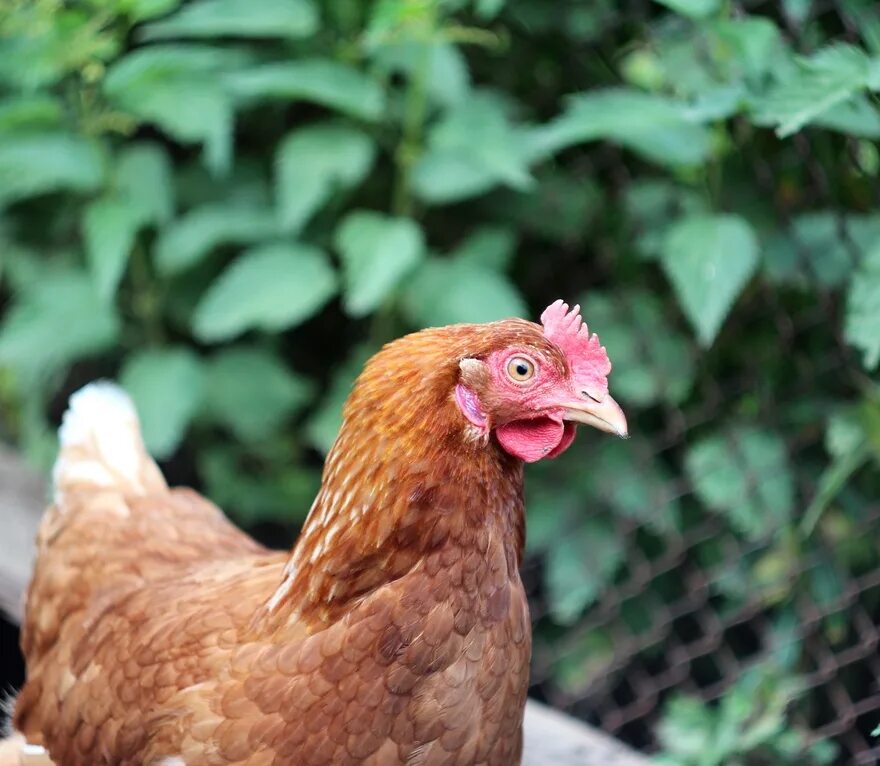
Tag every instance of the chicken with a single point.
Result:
(397, 630)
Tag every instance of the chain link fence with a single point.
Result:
(692, 609)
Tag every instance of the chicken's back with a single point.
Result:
(113, 526)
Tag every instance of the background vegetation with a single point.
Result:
(229, 204)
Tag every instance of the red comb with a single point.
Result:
(587, 357)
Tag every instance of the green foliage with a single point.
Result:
(56, 320)
(748, 725)
(193, 236)
(579, 567)
(249, 390)
(862, 326)
(659, 128)
(331, 84)
(47, 162)
(744, 473)
(237, 18)
(377, 252)
(650, 366)
(271, 288)
(831, 76)
(315, 163)
(229, 205)
(709, 259)
(166, 386)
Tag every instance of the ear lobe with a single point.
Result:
(474, 373)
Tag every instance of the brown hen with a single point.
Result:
(397, 631)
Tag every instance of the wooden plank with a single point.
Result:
(551, 738)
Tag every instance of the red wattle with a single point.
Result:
(531, 440)
(567, 439)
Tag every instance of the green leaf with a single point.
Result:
(797, 10)
(331, 84)
(695, 9)
(141, 192)
(857, 117)
(42, 163)
(829, 77)
(166, 386)
(110, 227)
(488, 247)
(844, 432)
(447, 80)
(580, 566)
(180, 89)
(193, 236)
(140, 10)
(377, 253)
(658, 128)
(821, 248)
(323, 426)
(250, 391)
(237, 18)
(142, 177)
(862, 322)
(445, 177)
(445, 291)
(747, 47)
(56, 320)
(709, 260)
(488, 9)
(269, 288)
(473, 148)
(650, 365)
(33, 113)
(833, 479)
(744, 474)
(315, 163)
(686, 728)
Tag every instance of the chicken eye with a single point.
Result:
(520, 369)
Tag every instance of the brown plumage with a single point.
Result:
(397, 631)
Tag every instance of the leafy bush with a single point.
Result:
(748, 726)
(229, 204)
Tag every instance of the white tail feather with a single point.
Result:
(101, 444)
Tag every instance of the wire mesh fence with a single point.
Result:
(692, 608)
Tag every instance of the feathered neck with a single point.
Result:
(406, 478)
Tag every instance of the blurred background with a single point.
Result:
(227, 205)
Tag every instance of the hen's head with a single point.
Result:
(535, 384)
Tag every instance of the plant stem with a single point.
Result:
(146, 302)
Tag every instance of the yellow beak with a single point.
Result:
(605, 415)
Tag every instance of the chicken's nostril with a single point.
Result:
(589, 396)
